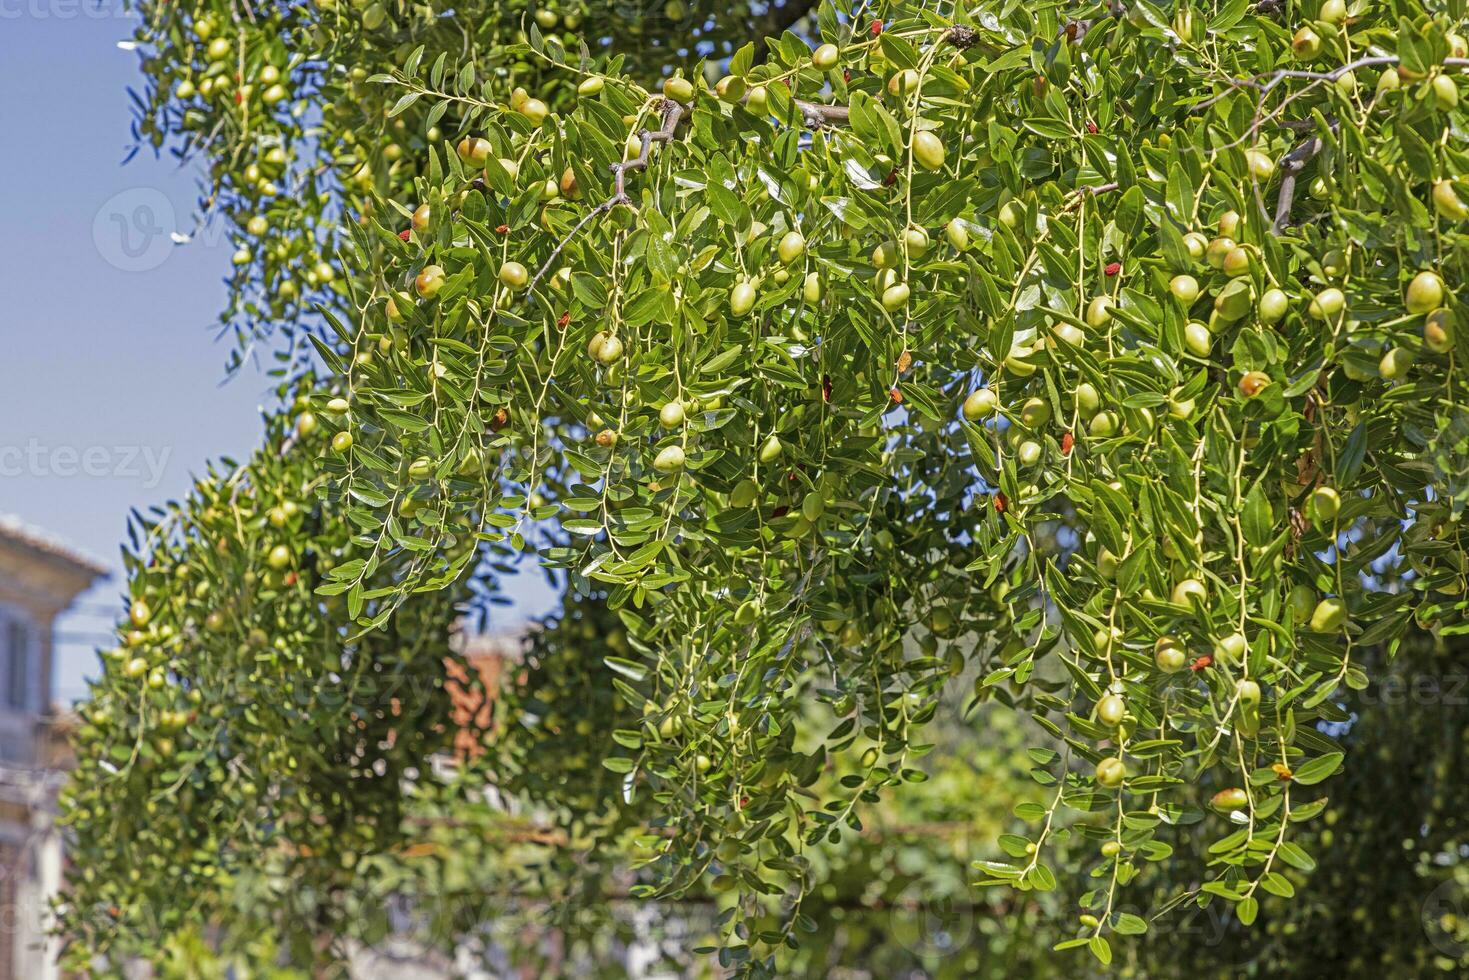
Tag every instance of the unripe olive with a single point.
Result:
(1306, 44)
(1425, 293)
(535, 110)
(1229, 800)
(1231, 649)
(1087, 399)
(1328, 304)
(669, 460)
(429, 281)
(730, 88)
(928, 150)
(1188, 589)
(1185, 289)
(1302, 602)
(1218, 250)
(1069, 333)
(1168, 655)
(605, 347)
(1326, 504)
(772, 449)
(904, 82)
(1328, 616)
(1274, 305)
(671, 415)
(744, 494)
(1104, 425)
(742, 298)
(1237, 261)
(980, 404)
(916, 241)
(895, 297)
(514, 275)
(1395, 363)
(791, 247)
(1247, 691)
(1445, 92)
(1111, 773)
(1252, 383)
(813, 289)
(1196, 339)
(1099, 311)
(1111, 710)
(1262, 165)
(1447, 203)
(825, 57)
(1438, 331)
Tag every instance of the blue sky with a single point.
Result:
(113, 384)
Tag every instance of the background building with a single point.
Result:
(39, 578)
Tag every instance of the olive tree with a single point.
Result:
(1101, 356)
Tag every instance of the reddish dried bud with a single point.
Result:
(1002, 503)
(890, 179)
(563, 321)
(826, 387)
(290, 578)
(502, 229)
(405, 234)
(905, 361)
(1201, 663)
(1091, 127)
(1067, 442)
(1113, 268)
(780, 511)
(1283, 772)
(876, 27)
(896, 396)
(500, 419)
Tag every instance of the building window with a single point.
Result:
(18, 674)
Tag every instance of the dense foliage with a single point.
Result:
(1103, 357)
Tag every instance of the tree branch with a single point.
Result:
(1291, 166)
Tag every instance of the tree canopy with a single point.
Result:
(1095, 361)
